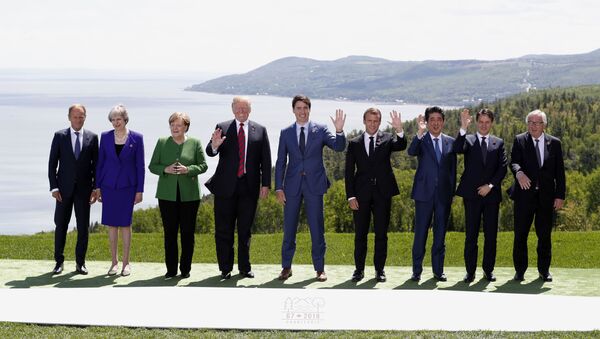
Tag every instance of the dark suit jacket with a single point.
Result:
(71, 171)
(550, 178)
(362, 171)
(429, 174)
(258, 160)
(476, 173)
(292, 165)
(126, 169)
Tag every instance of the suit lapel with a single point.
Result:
(546, 148)
(126, 147)
(378, 142)
(309, 137)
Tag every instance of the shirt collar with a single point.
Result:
(73, 131)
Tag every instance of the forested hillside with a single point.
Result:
(573, 116)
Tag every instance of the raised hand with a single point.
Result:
(340, 119)
(396, 121)
(465, 119)
(421, 124)
(217, 138)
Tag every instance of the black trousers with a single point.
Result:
(179, 216)
(475, 209)
(238, 209)
(62, 217)
(379, 206)
(525, 212)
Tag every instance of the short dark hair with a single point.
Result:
(302, 98)
(372, 110)
(434, 109)
(486, 112)
(79, 106)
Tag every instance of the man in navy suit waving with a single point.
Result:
(433, 189)
(71, 172)
(300, 176)
(480, 188)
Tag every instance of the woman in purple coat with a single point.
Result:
(120, 182)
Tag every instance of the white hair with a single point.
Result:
(537, 112)
(118, 110)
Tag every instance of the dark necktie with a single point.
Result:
(302, 143)
(483, 149)
(241, 150)
(77, 149)
(537, 153)
(438, 152)
(371, 146)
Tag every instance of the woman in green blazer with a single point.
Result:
(178, 160)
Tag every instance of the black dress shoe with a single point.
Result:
(546, 277)
(358, 275)
(415, 277)
(519, 276)
(469, 278)
(440, 277)
(380, 276)
(248, 274)
(489, 276)
(185, 275)
(81, 269)
(170, 275)
(225, 275)
(58, 268)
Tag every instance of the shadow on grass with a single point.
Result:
(159, 281)
(46, 279)
(62, 281)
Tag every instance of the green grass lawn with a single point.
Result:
(570, 249)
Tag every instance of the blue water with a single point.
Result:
(33, 106)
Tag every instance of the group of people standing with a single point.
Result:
(114, 175)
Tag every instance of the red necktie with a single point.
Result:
(242, 150)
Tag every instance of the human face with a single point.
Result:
(178, 128)
(484, 124)
(535, 125)
(241, 110)
(302, 112)
(435, 124)
(372, 122)
(77, 118)
(118, 122)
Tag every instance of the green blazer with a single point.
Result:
(189, 154)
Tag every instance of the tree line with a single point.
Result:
(573, 116)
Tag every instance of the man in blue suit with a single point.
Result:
(71, 172)
(433, 189)
(480, 184)
(300, 175)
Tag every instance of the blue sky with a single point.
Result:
(237, 36)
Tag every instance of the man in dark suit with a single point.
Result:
(539, 190)
(433, 189)
(370, 186)
(71, 172)
(480, 187)
(242, 175)
(300, 176)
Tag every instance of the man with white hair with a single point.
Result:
(538, 191)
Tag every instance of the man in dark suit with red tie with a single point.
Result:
(480, 187)
(539, 190)
(242, 176)
(370, 186)
(71, 172)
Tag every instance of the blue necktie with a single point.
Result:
(302, 140)
(77, 149)
(438, 152)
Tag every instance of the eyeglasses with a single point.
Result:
(535, 123)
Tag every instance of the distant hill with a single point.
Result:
(452, 82)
